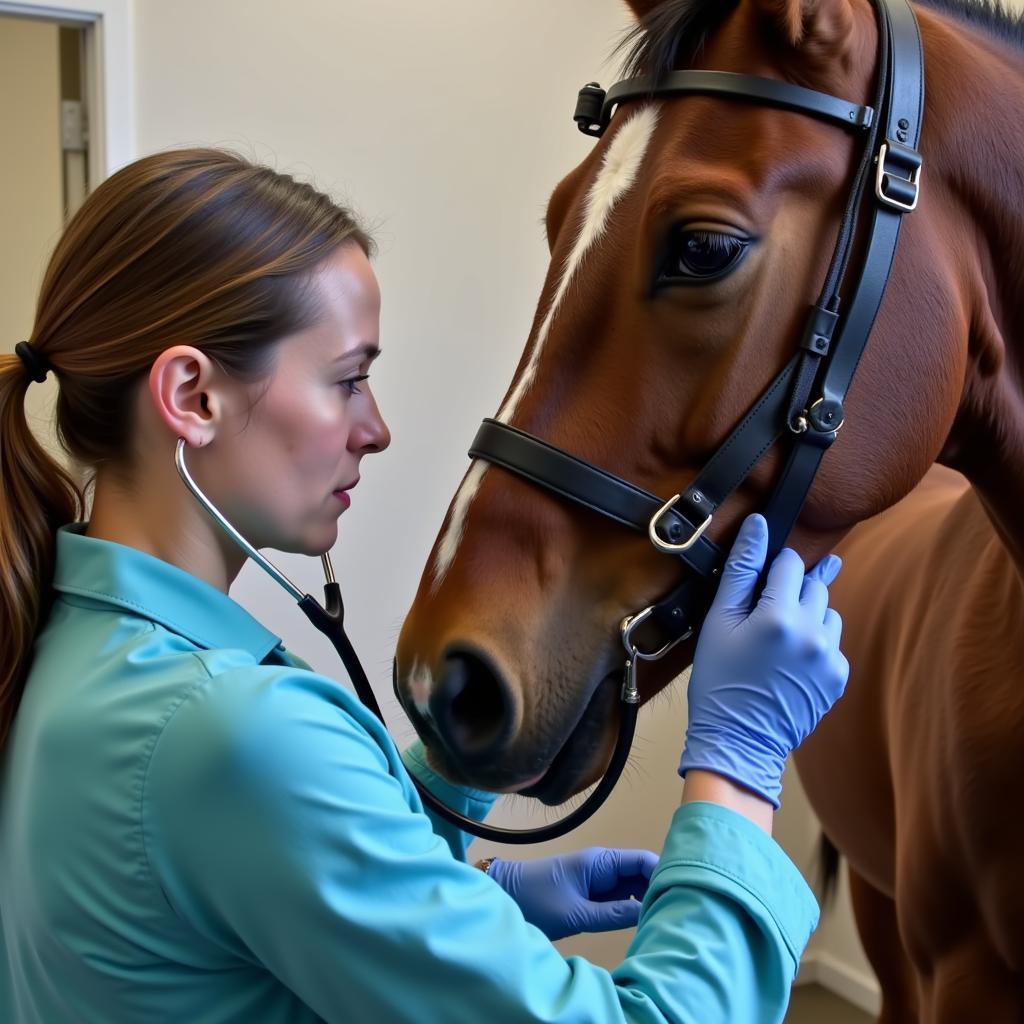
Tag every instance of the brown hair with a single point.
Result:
(197, 247)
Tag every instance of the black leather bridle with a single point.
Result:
(803, 404)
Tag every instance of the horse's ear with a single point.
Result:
(819, 27)
(641, 8)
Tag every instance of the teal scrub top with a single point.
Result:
(196, 827)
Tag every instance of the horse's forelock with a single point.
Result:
(671, 36)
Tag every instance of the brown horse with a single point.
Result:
(685, 251)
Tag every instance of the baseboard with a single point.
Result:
(854, 986)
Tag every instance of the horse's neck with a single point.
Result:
(975, 117)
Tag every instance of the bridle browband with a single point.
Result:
(804, 403)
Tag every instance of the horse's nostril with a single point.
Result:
(469, 705)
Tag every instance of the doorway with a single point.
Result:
(44, 157)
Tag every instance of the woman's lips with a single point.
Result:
(342, 493)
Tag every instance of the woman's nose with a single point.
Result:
(371, 434)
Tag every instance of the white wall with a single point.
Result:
(447, 131)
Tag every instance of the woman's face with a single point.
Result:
(289, 463)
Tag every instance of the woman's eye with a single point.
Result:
(352, 384)
(696, 256)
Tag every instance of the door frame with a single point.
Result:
(110, 85)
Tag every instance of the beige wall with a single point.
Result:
(31, 190)
(31, 183)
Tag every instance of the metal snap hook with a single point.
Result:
(632, 622)
(630, 692)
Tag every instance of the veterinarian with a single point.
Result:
(195, 826)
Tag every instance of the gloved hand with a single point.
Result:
(763, 675)
(585, 891)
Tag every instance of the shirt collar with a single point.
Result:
(145, 585)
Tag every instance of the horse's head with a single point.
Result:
(685, 252)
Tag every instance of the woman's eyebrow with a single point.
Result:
(367, 352)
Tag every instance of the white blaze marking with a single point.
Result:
(420, 685)
(616, 176)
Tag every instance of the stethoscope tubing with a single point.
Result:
(329, 619)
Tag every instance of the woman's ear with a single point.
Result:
(180, 382)
(820, 28)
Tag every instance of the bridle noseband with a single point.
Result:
(803, 404)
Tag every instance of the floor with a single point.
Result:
(811, 1004)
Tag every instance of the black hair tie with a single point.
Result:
(34, 360)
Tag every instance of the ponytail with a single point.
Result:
(37, 495)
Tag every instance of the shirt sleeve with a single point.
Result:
(472, 803)
(281, 829)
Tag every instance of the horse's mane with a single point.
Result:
(675, 32)
(989, 15)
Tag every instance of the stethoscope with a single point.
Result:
(329, 618)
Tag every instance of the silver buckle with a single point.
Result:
(880, 175)
(667, 546)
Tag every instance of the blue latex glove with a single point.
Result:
(763, 675)
(587, 891)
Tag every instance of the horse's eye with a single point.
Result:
(698, 256)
